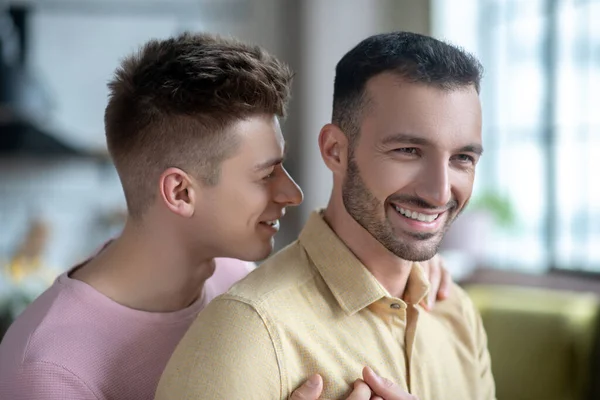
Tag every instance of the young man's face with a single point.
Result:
(241, 213)
(414, 163)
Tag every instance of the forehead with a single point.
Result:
(396, 106)
(258, 137)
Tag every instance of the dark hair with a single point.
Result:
(171, 103)
(415, 58)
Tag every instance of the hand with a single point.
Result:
(439, 281)
(372, 388)
(313, 387)
(310, 390)
(360, 391)
(383, 389)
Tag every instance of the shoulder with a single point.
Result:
(228, 338)
(466, 304)
(458, 312)
(284, 272)
(262, 296)
(458, 301)
(54, 329)
(38, 351)
(44, 380)
(33, 322)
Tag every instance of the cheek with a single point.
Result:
(388, 178)
(250, 201)
(237, 204)
(462, 186)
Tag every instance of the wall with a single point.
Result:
(74, 51)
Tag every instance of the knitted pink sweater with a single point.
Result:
(73, 343)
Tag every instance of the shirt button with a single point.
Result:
(395, 306)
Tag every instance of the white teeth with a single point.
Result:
(416, 215)
(274, 223)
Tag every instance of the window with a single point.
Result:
(541, 101)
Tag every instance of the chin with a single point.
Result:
(267, 250)
(258, 253)
(414, 249)
(422, 253)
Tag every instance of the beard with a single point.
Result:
(365, 209)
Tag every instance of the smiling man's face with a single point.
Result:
(239, 216)
(411, 171)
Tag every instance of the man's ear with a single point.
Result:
(178, 192)
(333, 144)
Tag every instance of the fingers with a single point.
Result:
(360, 391)
(378, 384)
(310, 390)
(384, 388)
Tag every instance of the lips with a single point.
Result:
(418, 222)
(274, 221)
(273, 224)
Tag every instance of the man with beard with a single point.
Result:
(403, 145)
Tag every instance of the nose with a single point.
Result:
(434, 184)
(287, 191)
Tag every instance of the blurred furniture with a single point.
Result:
(543, 342)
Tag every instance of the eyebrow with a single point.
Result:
(472, 148)
(404, 138)
(271, 162)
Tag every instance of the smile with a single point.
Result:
(415, 215)
(273, 224)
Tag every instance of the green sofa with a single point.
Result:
(542, 342)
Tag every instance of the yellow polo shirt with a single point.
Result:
(314, 308)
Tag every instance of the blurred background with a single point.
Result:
(528, 247)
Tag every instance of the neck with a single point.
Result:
(391, 271)
(147, 271)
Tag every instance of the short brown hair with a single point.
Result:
(171, 103)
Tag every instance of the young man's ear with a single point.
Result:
(333, 144)
(178, 192)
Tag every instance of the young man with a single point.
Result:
(403, 145)
(192, 127)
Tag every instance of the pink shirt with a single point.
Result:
(73, 343)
